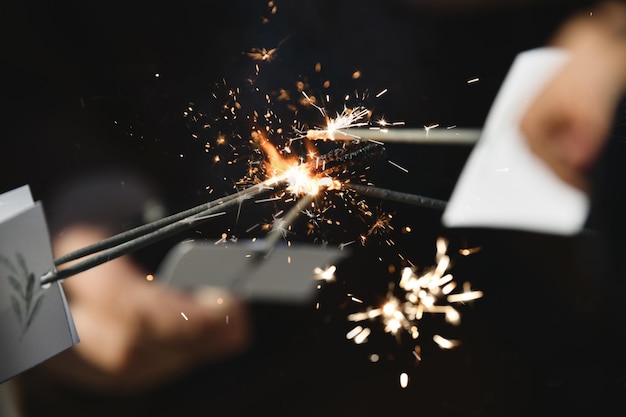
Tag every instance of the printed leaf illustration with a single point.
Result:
(27, 298)
(34, 311)
(15, 284)
(16, 308)
(30, 285)
(7, 264)
(22, 263)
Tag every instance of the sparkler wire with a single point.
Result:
(272, 238)
(453, 136)
(385, 194)
(142, 236)
(284, 222)
(146, 234)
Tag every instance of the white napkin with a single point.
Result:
(503, 184)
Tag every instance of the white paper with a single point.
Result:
(35, 322)
(286, 275)
(503, 184)
(14, 202)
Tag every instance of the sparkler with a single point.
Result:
(299, 168)
(145, 235)
(431, 292)
(382, 193)
(451, 136)
(347, 119)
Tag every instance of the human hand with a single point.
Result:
(569, 122)
(136, 334)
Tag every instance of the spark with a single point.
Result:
(262, 54)
(381, 225)
(398, 166)
(445, 343)
(429, 128)
(359, 334)
(348, 118)
(184, 315)
(425, 293)
(300, 177)
(344, 244)
(404, 380)
(327, 274)
(469, 251)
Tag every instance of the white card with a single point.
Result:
(503, 184)
(35, 322)
(285, 275)
(14, 202)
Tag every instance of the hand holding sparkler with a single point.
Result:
(136, 334)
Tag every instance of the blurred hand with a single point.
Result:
(569, 122)
(136, 334)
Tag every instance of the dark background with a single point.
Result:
(80, 98)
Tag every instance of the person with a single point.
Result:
(123, 349)
(566, 356)
(569, 122)
(154, 333)
(573, 125)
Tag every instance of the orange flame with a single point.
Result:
(300, 176)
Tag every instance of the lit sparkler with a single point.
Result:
(348, 118)
(323, 169)
(431, 292)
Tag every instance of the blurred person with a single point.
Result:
(576, 124)
(135, 334)
(570, 121)
(570, 348)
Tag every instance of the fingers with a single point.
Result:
(147, 334)
(568, 123)
(134, 333)
(567, 144)
(209, 324)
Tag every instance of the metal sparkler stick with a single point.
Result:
(269, 242)
(142, 236)
(209, 207)
(283, 223)
(455, 136)
(385, 194)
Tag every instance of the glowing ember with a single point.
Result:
(404, 380)
(327, 274)
(348, 118)
(262, 54)
(300, 176)
(429, 292)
